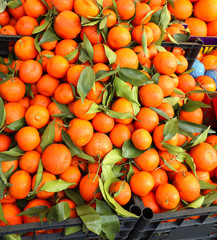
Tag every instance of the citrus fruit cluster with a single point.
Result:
(92, 107)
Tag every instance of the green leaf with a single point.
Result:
(3, 5)
(173, 41)
(170, 129)
(17, 125)
(63, 108)
(72, 54)
(56, 185)
(111, 55)
(5, 77)
(59, 213)
(161, 113)
(144, 43)
(173, 149)
(179, 91)
(9, 172)
(37, 46)
(209, 198)
(74, 149)
(48, 136)
(172, 100)
(156, 77)
(130, 172)
(40, 28)
(103, 23)
(16, 152)
(12, 237)
(193, 127)
(129, 150)
(29, 92)
(85, 82)
(103, 74)
(90, 218)
(112, 157)
(160, 48)
(109, 220)
(2, 113)
(38, 176)
(200, 138)
(180, 37)
(164, 17)
(107, 172)
(196, 203)
(215, 147)
(71, 230)
(167, 164)
(133, 76)
(5, 157)
(206, 185)
(2, 217)
(74, 196)
(191, 106)
(48, 36)
(94, 108)
(34, 211)
(189, 160)
(88, 47)
(14, 4)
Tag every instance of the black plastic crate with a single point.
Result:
(5, 41)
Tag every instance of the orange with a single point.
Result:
(99, 55)
(181, 10)
(25, 25)
(81, 108)
(141, 139)
(88, 187)
(166, 157)
(187, 185)
(196, 26)
(29, 161)
(126, 9)
(212, 140)
(150, 201)
(138, 31)
(143, 58)
(8, 198)
(56, 158)
(62, 5)
(142, 9)
(152, 51)
(37, 116)
(203, 176)
(158, 138)
(28, 138)
(123, 191)
(44, 58)
(195, 116)
(59, 127)
(141, 183)
(118, 37)
(101, 67)
(53, 109)
(80, 131)
(34, 8)
(210, 62)
(119, 134)
(30, 71)
(205, 10)
(20, 184)
(197, 96)
(126, 57)
(182, 168)
(92, 34)
(4, 18)
(86, 8)
(147, 119)
(72, 206)
(73, 74)
(167, 196)
(13, 90)
(57, 66)
(166, 84)
(186, 83)
(72, 175)
(206, 82)
(25, 102)
(160, 177)
(151, 95)
(80, 163)
(211, 28)
(17, 12)
(6, 165)
(25, 49)
(5, 142)
(148, 160)
(94, 168)
(167, 108)
(97, 94)
(49, 45)
(156, 31)
(40, 100)
(182, 65)
(10, 213)
(46, 177)
(99, 145)
(64, 94)
(8, 30)
(47, 85)
(122, 105)
(111, 17)
(165, 63)
(67, 25)
(204, 156)
(103, 123)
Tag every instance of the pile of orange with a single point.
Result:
(90, 89)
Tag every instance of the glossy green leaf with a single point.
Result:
(2, 217)
(179, 91)
(160, 48)
(17, 125)
(34, 211)
(5, 157)
(103, 74)
(74, 149)
(167, 164)
(59, 213)
(164, 17)
(71, 230)
(193, 127)
(144, 43)
(133, 76)
(130, 172)
(12, 237)
(72, 54)
(107, 172)
(75, 196)
(111, 55)
(200, 138)
(103, 23)
(29, 92)
(173, 149)
(171, 38)
(170, 129)
(155, 78)
(5, 77)
(48, 36)
(3, 5)
(39, 175)
(94, 108)
(114, 156)
(209, 198)
(172, 100)
(109, 220)
(191, 106)
(196, 203)
(180, 37)
(215, 147)
(189, 160)
(161, 113)
(90, 218)
(2, 113)
(63, 108)
(9, 172)
(129, 150)
(56, 185)
(85, 82)
(40, 28)
(88, 47)
(16, 152)
(14, 4)
(48, 136)
(206, 185)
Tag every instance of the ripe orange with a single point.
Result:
(5, 142)
(150, 201)
(10, 213)
(97, 94)
(92, 34)
(34, 8)
(86, 8)
(166, 84)
(196, 116)
(25, 25)
(72, 206)
(57, 66)
(6, 165)
(111, 17)
(138, 31)
(167, 108)
(101, 66)
(99, 55)
(211, 28)
(4, 18)
(103, 123)
(44, 57)
(80, 109)
(183, 65)
(182, 9)
(123, 190)
(166, 157)
(197, 96)
(160, 177)
(143, 58)
(142, 9)
(205, 10)
(64, 94)
(141, 139)
(196, 26)
(73, 74)
(119, 134)
(72, 175)
(29, 161)
(209, 61)
(206, 82)
(186, 82)
(40, 100)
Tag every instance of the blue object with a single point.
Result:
(213, 74)
(199, 69)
